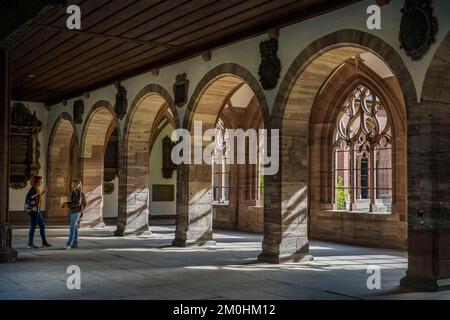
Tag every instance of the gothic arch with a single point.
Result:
(62, 165)
(134, 155)
(194, 207)
(291, 114)
(229, 76)
(388, 230)
(93, 143)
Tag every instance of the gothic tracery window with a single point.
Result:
(363, 154)
(221, 166)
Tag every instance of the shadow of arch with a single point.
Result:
(148, 107)
(97, 126)
(62, 166)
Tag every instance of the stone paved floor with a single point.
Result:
(148, 268)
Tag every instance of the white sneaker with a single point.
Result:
(68, 248)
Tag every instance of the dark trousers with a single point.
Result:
(37, 219)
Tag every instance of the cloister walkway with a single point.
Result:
(148, 268)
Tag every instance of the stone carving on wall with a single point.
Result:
(270, 67)
(418, 28)
(121, 105)
(108, 187)
(25, 146)
(78, 111)
(180, 90)
(167, 165)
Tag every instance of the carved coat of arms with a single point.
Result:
(270, 67)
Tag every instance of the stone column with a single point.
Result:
(286, 206)
(194, 208)
(7, 253)
(428, 196)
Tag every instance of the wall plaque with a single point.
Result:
(180, 90)
(418, 28)
(163, 192)
(25, 146)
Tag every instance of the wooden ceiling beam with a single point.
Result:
(28, 16)
(120, 38)
(191, 35)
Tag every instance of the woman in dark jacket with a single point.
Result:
(76, 206)
(33, 205)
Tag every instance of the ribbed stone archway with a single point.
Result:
(62, 166)
(140, 123)
(95, 134)
(291, 113)
(194, 205)
(373, 227)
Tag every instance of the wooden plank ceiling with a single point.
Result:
(122, 38)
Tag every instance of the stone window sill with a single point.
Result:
(221, 204)
(360, 212)
(364, 215)
(256, 207)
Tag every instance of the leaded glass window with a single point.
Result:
(363, 154)
(220, 165)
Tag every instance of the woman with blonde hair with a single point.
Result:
(33, 204)
(76, 206)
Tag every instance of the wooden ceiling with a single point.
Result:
(122, 38)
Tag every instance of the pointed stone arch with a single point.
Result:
(194, 206)
(62, 166)
(93, 144)
(287, 216)
(134, 156)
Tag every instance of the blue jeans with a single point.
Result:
(36, 218)
(73, 234)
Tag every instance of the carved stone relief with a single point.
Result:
(270, 67)
(121, 105)
(418, 28)
(180, 90)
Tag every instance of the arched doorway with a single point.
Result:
(134, 163)
(292, 113)
(100, 122)
(62, 167)
(357, 157)
(213, 190)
